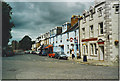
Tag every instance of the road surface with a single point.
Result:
(29, 66)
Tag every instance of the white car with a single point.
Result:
(37, 52)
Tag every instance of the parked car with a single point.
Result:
(44, 53)
(37, 52)
(9, 53)
(27, 52)
(33, 52)
(52, 55)
(61, 55)
(30, 51)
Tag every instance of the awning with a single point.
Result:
(48, 46)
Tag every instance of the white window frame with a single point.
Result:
(75, 33)
(91, 15)
(100, 28)
(83, 32)
(116, 6)
(95, 49)
(68, 35)
(67, 47)
(91, 31)
(91, 49)
(100, 12)
(83, 47)
(84, 18)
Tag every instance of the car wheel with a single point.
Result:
(58, 57)
(66, 58)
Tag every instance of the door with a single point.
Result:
(101, 52)
(62, 49)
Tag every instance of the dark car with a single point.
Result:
(61, 55)
(10, 53)
(27, 52)
(44, 53)
(33, 52)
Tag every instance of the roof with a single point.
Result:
(72, 28)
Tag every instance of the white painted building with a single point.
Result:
(99, 31)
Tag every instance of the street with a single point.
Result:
(29, 66)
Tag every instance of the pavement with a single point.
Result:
(95, 62)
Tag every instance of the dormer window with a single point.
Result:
(84, 18)
(91, 14)
(99, 12)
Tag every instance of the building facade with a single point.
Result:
(99, 31)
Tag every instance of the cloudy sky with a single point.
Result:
(35, 18)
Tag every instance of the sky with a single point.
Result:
(36, 18)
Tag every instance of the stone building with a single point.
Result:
(99, 31)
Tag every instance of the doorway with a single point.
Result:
(101, 53)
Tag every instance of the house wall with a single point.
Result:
(111, 28)
(114, 31)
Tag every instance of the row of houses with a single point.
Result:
(94, 33)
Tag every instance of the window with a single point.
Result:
(56, 38)
(84, 18)
(75, 33)
(83, 49)
(117, 8)
(101, 28)
(83, 31)
(95, 48)
(91, 14)
(91, 31)
(67, 47)
(100, 12)
(67, 35)
(86, 49)
(61, 38)
(91, 49)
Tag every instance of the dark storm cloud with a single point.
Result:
(35, 18)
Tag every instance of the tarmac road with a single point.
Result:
(29, 66)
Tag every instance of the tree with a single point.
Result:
(6, 24)
(25, 43)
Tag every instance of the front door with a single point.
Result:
(62, 48)
(101, 52)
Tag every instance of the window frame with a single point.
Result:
(83, 32)
(68, 35)
(99, 27)
(91, 31)
(91, 49)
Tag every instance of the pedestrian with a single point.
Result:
(77, 53)
(72, 53)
